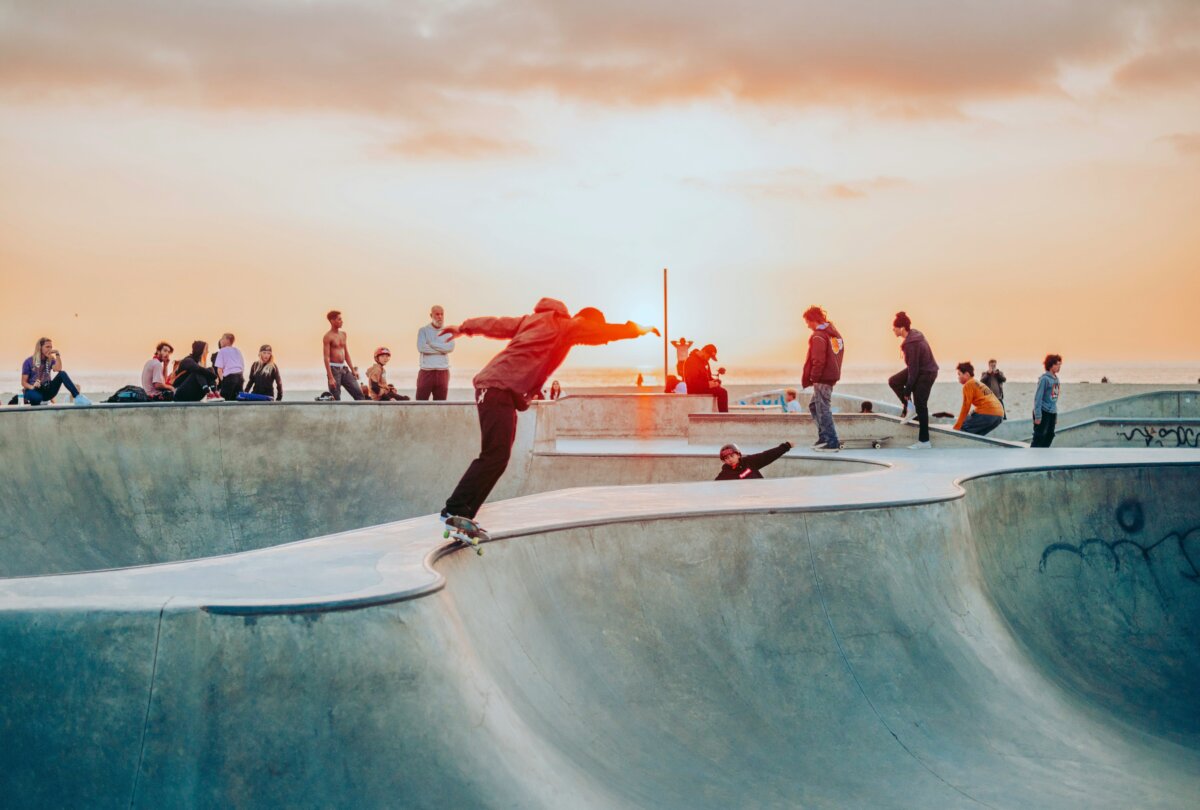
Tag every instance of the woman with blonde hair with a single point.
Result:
(264, 381)
(42, 375)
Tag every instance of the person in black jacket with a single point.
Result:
(738, 467)
(264, 379)
(699, 378)
(193, 380)
(916, 381)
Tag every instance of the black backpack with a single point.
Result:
(130, 393)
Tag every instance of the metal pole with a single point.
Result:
(666, 340)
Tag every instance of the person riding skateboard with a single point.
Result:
(736, 467)
(538, 344)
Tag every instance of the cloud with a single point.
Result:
(1176, 67)
(457, 145)
(797, 184)
(414, 59)
(1186, 143)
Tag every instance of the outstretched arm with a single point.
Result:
(592, 333)
(757, 461)
(500, 328)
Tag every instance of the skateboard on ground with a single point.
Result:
(467, 532)
(874, 442)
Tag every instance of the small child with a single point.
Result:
(790, 403)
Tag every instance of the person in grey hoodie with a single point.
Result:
(433, 379)
(1045, 402)
(537, 345)
(916, 381)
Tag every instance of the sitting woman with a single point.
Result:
(264, 381)
(193, 380)
(42, 376)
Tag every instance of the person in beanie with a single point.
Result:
(736, 467)
(822, 370)
(537, 345)
(1045, 402)
(916, 381)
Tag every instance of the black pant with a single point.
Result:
(498, 427)
(919, 395)
(1043, 432)
(231, 386)
(719, 392)
(433, 382)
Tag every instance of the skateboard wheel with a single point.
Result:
(876, 445)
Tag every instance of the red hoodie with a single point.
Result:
(538, 344)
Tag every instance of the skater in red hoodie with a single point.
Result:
(538, 344)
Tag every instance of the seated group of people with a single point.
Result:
(190, 380)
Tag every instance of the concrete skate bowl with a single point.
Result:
(917, 654)
(976, 652)
(1148, 408)
(113, 486)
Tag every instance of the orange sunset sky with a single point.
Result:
(1020, 176)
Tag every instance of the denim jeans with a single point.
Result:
(981, 424)
(822, 414)
(49, 390)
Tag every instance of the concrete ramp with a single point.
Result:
(886, 639)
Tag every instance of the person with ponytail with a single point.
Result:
(916, 380)
(264, 381)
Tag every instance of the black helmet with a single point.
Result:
(729, 448)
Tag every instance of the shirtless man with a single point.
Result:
(339, 369)
(681, 353)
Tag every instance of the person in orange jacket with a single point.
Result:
(988, 413)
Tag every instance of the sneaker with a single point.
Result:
(81, 400)
(819, 445)
(829, 448)
(325, 397)
(921, 446)
(908, 420)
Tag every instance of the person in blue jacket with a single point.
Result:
(1045, 402)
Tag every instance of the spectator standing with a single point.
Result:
(699, 378)
(339, 369)
(988, 413)
(264, 378)
(154, 374)
(916, 381)
(1045, 402)
(230, 366)
(994, 379)
(681, 353)
(42, 375)
(822, 370)
(433, 378)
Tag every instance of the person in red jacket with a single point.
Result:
(538, 344)
(822, 370)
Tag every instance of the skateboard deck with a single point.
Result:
(467, 532)
(874, 442)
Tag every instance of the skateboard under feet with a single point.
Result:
(467, 532)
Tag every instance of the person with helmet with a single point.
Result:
(699, 378)
(378, 388)
(736, 466)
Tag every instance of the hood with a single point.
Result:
(914, 336)
(552, 305)
(829, 329)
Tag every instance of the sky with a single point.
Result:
(1020, 177)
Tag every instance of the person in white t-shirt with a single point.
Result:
(230, 368)
(154, 374)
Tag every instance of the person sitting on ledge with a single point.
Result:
(194, 380)
(737, 467)
(42, 375)
(700, 379)
(988, 414)
(790, 403)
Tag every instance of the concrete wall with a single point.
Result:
(1131, 433)
(772, 428)
(1155, 405)
(628, 416)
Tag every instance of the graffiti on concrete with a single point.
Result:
(1181, 435)
(1131, 518)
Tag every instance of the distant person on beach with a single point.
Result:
(994, 379)
(681, 353)
(916, 381)
(736, 467)
(988, 413)
(822, 370)
(433, 378)
(230, 366)
(339, 369)
(378, 387)
(1045, 402)
(193, 380)
(42, 375)
(264, 379)
(790, 402)
(555, 390)
(699, 376)
(155, 374)
(537, 345)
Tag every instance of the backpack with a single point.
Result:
(130, 393)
